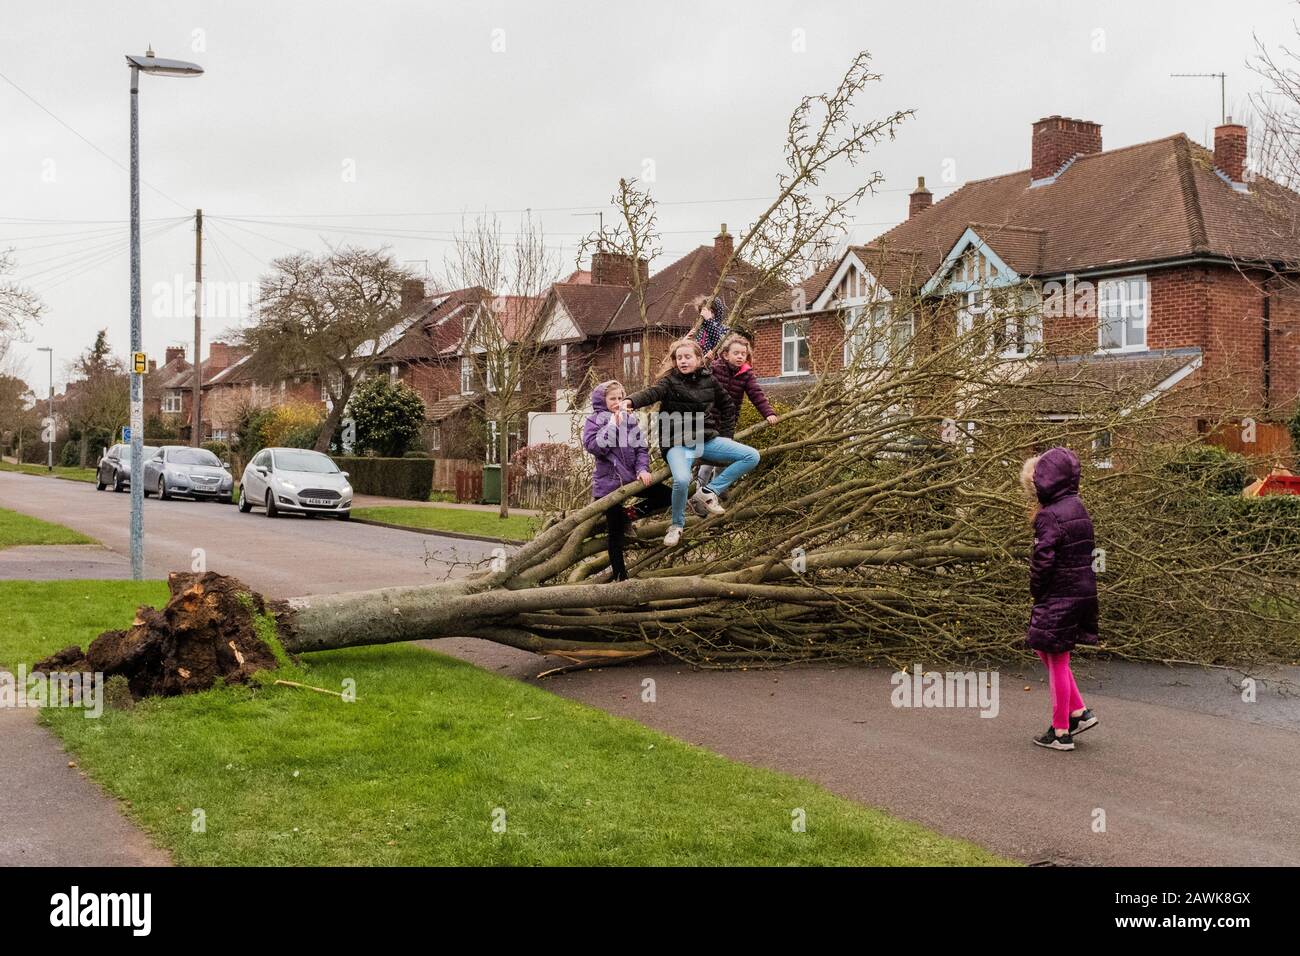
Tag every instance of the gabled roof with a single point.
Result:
(591, 306)
(1145, 203)
(437, 325)
(174, 372)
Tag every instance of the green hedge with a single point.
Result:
(390, 477)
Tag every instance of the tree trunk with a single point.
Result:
(331, 423)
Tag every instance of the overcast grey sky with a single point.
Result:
(442, 108)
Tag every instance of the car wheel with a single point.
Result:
(245, 503)
(118, 485)
(162, 489)
(271, 510)
(99, 482)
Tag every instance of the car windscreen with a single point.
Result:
(124, 452)
(308, 461)
(193, 456)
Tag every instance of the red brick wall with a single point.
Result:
(825, 344)
(432, 380)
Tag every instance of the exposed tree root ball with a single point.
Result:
(204, 633)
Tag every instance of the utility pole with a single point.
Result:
(196, 430)
(50, 450)
(1223, 90)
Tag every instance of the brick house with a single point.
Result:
(1162, 261)
(594, 331)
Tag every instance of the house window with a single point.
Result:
(467, 376)
(172, 401)
(493, 456)
(1122, 313)
(886, 335)
(393, 373)
(435, 438)
(220, 434)
(794, 347)
(1000, 326)
(631, 360)
(564, 363)
(1101, 451)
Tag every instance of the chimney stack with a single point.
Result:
(920, 198)
(218, 358)
(1230, 150)
(614, 268)
(722, 248)
(1057, 140)
(412, 293)
(173, 353)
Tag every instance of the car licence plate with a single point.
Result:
(323, 502)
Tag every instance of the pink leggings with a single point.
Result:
(1065, 692)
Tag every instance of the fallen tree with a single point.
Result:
(885, 522)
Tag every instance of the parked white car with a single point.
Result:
(297, 481)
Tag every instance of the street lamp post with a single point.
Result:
(49, 463)
(141, 64)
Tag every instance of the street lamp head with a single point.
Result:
(44, 348)
(156, 65)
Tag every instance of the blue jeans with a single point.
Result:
(739, 459)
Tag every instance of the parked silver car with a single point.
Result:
(295, 480)
(114, 468)
(182, 470)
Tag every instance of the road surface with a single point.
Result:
(1180, 770)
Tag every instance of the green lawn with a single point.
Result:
(16, 529)
(463, 520)
(60, 471)
(414, 770)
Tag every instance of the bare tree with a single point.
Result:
(327, 316)
(18, 304)
(510, 340)
(634, 237)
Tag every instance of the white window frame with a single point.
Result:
(794, 331)
(860, 325)
(1019, 325)
(173, 401)
(394, 373)
(632, 352)
(564, 363)
(466, 375)
(1125, 303)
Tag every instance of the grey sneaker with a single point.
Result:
(705, 503)
(673, 536)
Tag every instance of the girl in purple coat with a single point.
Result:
(615, 439)
(1063, 586)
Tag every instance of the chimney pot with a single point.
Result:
(1230, 150)
(723, 247)
(1057, 140)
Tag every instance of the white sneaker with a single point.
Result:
(705, 503)
(673, 536)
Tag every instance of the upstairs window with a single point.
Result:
(1002, 321)
(878, 329)
(172, 401)
(1122, 314)
(467, 376)
(631, 360)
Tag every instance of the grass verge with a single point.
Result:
(60, 471)
(462, 520)
(18, 529)
(431, 755)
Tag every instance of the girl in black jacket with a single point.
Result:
(692, 407)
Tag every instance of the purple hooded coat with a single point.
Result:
(1061, 578)
(620, 450)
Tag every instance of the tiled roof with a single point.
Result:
(1070, 386)
(439, 326)
(591, 306)
(444, 408)
(1145, 203)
